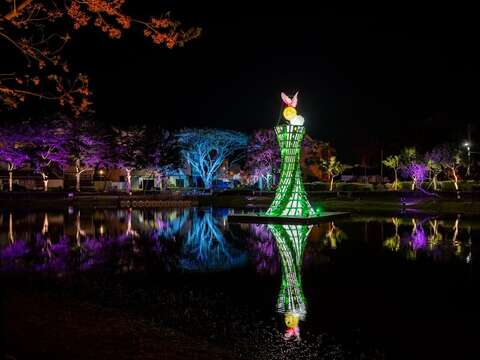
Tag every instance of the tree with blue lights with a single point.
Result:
(205, 150)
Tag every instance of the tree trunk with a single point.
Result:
(10, 180)
(45, 224)
(260, 183)
(129, 180)
(331, 183)
(455, 180)
(10, 228)
(45, 182)
(207, 183)
(455, 183)
(414, 182)
(395, 183)
(77, 177)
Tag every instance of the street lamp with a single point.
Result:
(468, 146)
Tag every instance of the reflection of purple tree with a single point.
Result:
(12, 256)
(13, 149)
(263, 249)
(51, 256)
(418, 237)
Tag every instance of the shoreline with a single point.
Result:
(358, 202)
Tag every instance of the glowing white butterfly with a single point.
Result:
(290, 102)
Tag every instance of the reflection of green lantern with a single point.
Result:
(291, 241)
(290, 196)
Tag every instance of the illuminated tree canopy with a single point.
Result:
(205, 150)
(36, 32)
(263, 157)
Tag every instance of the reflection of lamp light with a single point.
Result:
(291, 319)
(289, 113)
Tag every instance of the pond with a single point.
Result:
(186, 282)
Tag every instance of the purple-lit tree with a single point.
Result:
(13, 149)
(86, 145)
(417, 172)
(129, 145)
(49, 149)
(263, 157)
(205, 150)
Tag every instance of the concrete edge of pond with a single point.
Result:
(286, 220)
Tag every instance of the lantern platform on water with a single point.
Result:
(262, 218)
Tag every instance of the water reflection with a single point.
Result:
(439, 239)
(291, 241)
(120, 240)
(201, 239)
(205, 247)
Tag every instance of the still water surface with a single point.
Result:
(362, 287)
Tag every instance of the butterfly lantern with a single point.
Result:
(290, 113)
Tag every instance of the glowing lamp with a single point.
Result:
(289, 113)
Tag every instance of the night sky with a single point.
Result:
(368, 77)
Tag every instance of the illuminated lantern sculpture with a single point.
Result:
(290, 196)
(291, 241)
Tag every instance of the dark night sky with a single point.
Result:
(368, 77)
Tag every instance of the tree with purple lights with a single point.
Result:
(49, 149)
(416, 171)
(205, 150)
(13, 149)
(263, 157)
(87, 147)
(129, 147)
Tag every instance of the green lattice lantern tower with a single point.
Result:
(290, 196)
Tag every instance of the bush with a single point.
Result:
(404, 185)
(353, 187)
(317, 186)
(447, 185)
